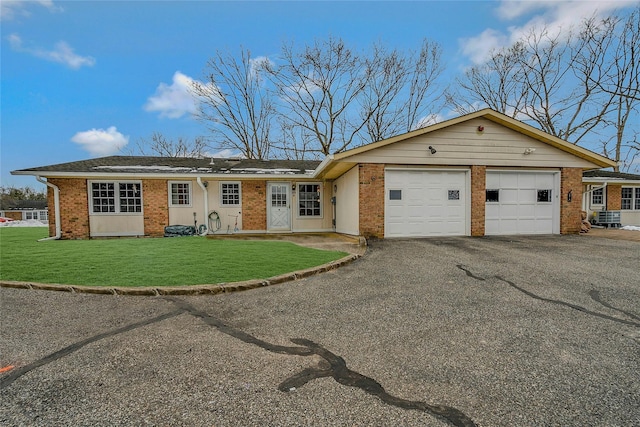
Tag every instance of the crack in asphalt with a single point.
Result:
(17, 373)
(570, 305)
(594, 294)
(331, 365)
(469, 273)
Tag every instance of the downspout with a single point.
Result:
(56, 207)
(206, 205)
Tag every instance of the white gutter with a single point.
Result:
(56, 205)
(585, 196)
(323, 165)
(206, 204)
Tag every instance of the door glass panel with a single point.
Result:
(278, 196)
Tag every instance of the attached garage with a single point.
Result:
(522, 202)
(421, 203)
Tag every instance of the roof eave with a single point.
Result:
(111, 175)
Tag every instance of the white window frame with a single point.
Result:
(27, 215)
(117, 206)
(299, 200)
(43, 215)
(634, 200)
(598, 192)
(189, 194)
(222, 193)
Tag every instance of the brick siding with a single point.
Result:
(74, 208)
(155, 204)
(478, 199)
(371, 199)
(16, 215)
(254, 205)
(570, 219)
(614, 197)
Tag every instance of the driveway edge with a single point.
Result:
(210, 289)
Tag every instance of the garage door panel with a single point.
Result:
(518, 210)
(426, 210)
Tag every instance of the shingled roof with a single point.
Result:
(610, 174)
(132, 165)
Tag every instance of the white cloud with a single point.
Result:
(100, 142)
(175, 100)
(61, 53)
(9, 9)
(556, 16)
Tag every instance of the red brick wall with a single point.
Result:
(254, 205)
(478, 199)
(16, 215)
(74, 208)
(371, 199)
(614, 197)
(570, 219)
(51, 209)
(155, 204)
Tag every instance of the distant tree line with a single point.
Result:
(8, 195)
(581, 85)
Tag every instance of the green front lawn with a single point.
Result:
(148, 262)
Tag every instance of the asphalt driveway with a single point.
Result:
(524, 331)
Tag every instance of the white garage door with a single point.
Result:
(425, 203)
(522, 203)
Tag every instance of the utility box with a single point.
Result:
(608, 218)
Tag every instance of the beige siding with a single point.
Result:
(630, 217)
(463, 144)
(347, 205)
(116, 225)
(302, 224)
(227, 214)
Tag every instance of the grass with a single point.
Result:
(148, 262)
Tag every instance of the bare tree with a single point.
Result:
(235, 104)
(579, 86)
(319, 87)
(496, 84)
(394, 100)
(622, 81)
(159, 145)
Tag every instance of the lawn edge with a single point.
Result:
(204, 289)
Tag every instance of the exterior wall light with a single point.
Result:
(432, 150)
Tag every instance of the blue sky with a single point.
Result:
(79, 78)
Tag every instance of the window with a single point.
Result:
(180, 194)
(230, 193)
(493, 195)
(544, 196)
(630, 198)
(130, 200)
(309, 200)
(44, 215)
(30, 215)
(597, 196)
(395, 194)
(116, 197)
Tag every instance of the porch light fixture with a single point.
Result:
(293, 187)
(432, 150)
(528, 151)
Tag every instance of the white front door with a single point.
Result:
(279, 206)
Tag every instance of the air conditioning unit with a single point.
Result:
(608, 218)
